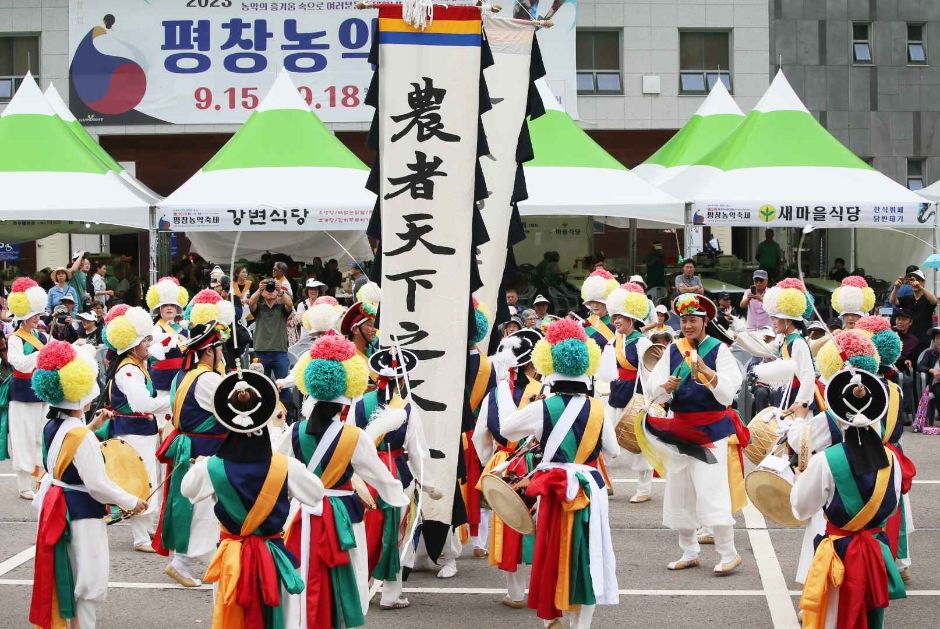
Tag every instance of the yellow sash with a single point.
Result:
(183, 389)
(894, 403)
(396, 402)
(267, 497)
(478, 392)
(342, 455)
(71, 442)
(30, 338)
(736, 476)
(563, 585)
(598, 324)
(827, 569)
(592, 431)
(533, 388)
(685, 349)
(620, 350)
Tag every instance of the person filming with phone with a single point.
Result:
(753, 301)
(920, 303)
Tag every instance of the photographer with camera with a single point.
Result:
(60, 324)
(920, 303)
(753, 301)
(272, 306)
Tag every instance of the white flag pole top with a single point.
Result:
(715, 119)
(62, 111)
(283, 157)
(572, 175)
(47, 173)
(781, 156)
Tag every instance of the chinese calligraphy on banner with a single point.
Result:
(428, 116)
(799, 214)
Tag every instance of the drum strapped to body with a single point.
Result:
(505, 493)
(769, 486)
(765, 429)
(124, 466)
(626, 426)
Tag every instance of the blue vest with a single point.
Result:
(353, 504)
(125, 422)
(192, 415)
(621, 391)
(80, 504)
(21, 389)
(693, 397)
(394, 440)
(247, 480)
(563, 455)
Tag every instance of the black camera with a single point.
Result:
(270, 286)
(62, 319)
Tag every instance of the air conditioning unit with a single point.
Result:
(651, 84)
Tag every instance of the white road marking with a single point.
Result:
(17, 560)
(662, 480)
(771, 575)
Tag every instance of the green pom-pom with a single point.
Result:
(865, 363)
(888, 344)
(326, 379)
(483, 326)
(47, 386)
(570, 357)
(810, 301)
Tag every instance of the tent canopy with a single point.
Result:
(282, 165)
(781, 167)
(708, 127)
(302, 246)
(572, 175)
(48, 173)
(931, 192)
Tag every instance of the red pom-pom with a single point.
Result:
(333, 348)
(564, 329)
(115, 312)
(20, 284)
(791, 282)
(607, 275)
(633, 287)
(874, 324)
(852, 343)
(55, 355)
(475, 302)
(168, 278)
(855, 280)
(326, 299)
(207, 296)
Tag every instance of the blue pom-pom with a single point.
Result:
(808, 313)
(325, 379)
(187, 311)
(888, 344)
(47, 386)
(104, 339)
(865, 363)
(570, 357)
(483, 326)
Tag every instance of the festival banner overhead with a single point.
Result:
(428, 179)
(797, 214)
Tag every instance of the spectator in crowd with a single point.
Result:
(834, 325)
(930, 365)
(688, 281)
(279, 273)
(272, 306)
(530, 319)
(315, 269)
(541, 306)
(242, 290)
(725, 315)
(513, 325)
(102, 293)
(769, 255)
(313, 288)
(331, 276)
(239, 332)
(99, 310)
(359, 278)
(907, 361)
(512, 297)
(61, 288)
(905, 289)
(60, 325)
(838, 272)
(753, 301)
(659, 324)
(89, 328)
(921, 304)
(656, 265)
(6, 369)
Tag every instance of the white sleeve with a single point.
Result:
(417, 444)
(818, 434)
(609, 445)
(17, 358)
(813, 488)
(302, 484)
(523, 423)
(206, 385)
(483, 441)
(285, 443)
(130, 380)
(657, 378)
(90, 465)
(729, 376)
(368, 465)
(608, 368)
(288, 382)
(805, 372)
(157, 349)
(196, 484)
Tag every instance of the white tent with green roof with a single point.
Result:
(708, 127)
(780, 167)
(572, 175)
(47, 174)
(62, 111)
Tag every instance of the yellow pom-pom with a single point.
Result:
(792, 302)
(121, 334)
(18, 304)
(203, 313)
(829, 360)
(299, 373)
(868, 299)
(594, 357)
(836, 305)
(542, 358)
(637, 305)
(78, 380)
(183, 298)
(152, 296)
(357, 376)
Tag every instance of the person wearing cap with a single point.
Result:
(921, 303)
(725, 315)
(312, 290)
(565, 577)
(658, 325)
(753, 301)
(699, 447)
(130, 396)
(518, 385)
(70, 572)
(404, 451)
(27, 412)
(330, 539)
(621, 365)
(61, 326)
(857, 484)
(358, 276)
(905, 288)
(89, 330)
(62, 289)
(816, 334)
(168, 299)
(509, 327)
(541, 305)
(250, 490)
(594, 293)
(190, 531)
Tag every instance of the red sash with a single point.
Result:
(472, 495)
(52, 524)
(865, 585)
(168, 364)
(550, 487)
(893, 524)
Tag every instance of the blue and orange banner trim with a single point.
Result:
(452, 26)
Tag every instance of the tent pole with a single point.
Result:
(688, 232)
(633, 246)
(152, 232)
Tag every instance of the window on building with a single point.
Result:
(915, 173)
(599, 54)
(704, 59)
(18, 54)
(861, 42)
(916, 44)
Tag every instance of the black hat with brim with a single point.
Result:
(245, 401)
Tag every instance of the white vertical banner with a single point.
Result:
(428, 117)
(508, 83)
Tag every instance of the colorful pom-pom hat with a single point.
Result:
(125, 327)
(847, 348)
(371, 292)
(27, 299)
(629, 300)
(208, 306)
(788, 299)
(358, 313)
(66, 376)
(481, 316)
(697, 305)
(167, 292)
(332, 371)
(853, 297)
(887, 342)
(566, 353)
(324, 315)
(598, 286)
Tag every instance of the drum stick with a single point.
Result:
(123, 517)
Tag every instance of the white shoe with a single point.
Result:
(723, 569)
(28, 494)
(447, 572)
(682, 564)
(638, 498)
